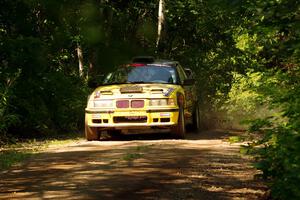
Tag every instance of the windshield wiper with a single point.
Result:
(115, 83)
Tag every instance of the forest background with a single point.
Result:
(245, 54)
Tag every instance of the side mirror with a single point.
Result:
(188, 72)
(189, 82)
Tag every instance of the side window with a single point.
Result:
(181, 73)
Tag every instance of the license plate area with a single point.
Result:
(130, 119)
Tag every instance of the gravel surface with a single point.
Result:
(203, 166)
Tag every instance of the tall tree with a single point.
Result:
(160, 25)
(80, 60)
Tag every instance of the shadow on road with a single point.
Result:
(191, 135)
(149, 169)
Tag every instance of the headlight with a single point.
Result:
(161, 102)
(103, 103)
(90, 103)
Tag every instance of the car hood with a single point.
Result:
(135, 91)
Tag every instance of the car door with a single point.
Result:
(188, 90)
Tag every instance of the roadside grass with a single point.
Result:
(136, 152)
(243, 137)
(20, 150)
(235, 139)
(132, 156)
(247, 141)
(11, 157)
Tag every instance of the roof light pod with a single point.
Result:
(137, 64)
(143, 59)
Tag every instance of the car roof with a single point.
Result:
(150, 60)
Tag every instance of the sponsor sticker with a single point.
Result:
(96, 116)
(165, 114)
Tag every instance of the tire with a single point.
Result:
(179, 129)
(91, 133)
(196, 119)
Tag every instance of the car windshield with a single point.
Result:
(142, 74)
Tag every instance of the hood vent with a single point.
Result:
(157, 91)
(131, 89)
(106, 92)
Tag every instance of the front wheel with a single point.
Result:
(91, 133)
(196, 118)
(179, 129)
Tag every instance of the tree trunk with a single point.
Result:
(91, 57)
(80, 59)
(161, 21)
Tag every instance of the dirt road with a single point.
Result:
(204, 166)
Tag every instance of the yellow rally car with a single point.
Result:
(150, 94)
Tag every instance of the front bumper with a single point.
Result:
(135, 119)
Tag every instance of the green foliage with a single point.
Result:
(242, 101)
(235, 139)
(58, 102)
(269, 102)
(39, 90)
(268, 41)
(6, 119)
(245, 55)
(278, 151)
(245, 103)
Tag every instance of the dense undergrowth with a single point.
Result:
(268, 103)
(279, 158)
(36, 108)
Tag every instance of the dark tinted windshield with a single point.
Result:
(143, 74)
